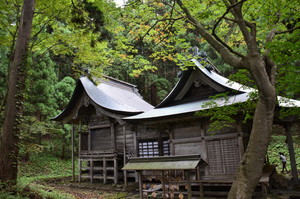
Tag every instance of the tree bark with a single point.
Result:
(13, 108)
(251, 166)
(252, 163)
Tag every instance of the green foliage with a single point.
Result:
(222, 113)
(11, 195)
(45, 165)
(40, 91)
(278, 144)
(63, 91)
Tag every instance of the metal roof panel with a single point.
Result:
(163, 163)
(189, 107)
(114, 98)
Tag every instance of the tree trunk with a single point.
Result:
(251, 166)
(13, 110)
(252, 163)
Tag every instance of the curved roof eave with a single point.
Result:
(72, 103)
(222, 81)
(107, 97)
(113, 98)
(189, 107)
(212, 75)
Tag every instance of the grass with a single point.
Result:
(44, 166)
(277, 145)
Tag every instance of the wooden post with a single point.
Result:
(201, 190)
(291, 152)
(188, 179)
(79, 168)
(89, 142)
(124, 154)
(91, 170)
(113, 137)
(140, 183)
(115, 170)
(104, 171)
(73, 158)
(172, 146)
(163, 184)
(136, 151)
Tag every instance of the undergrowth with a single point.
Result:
(46, 166)
(278, 144)
(41, 166)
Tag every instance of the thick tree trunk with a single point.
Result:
(13, 109)
(251, 166)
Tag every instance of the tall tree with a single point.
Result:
(262, 68)
(13, 107)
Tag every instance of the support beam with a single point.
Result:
(104, 171)
(73, 148)
(113, 136)
(140, 183)
(124, 154)
(163, 185)
(188, 180)
(291, 152)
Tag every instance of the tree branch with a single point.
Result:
(225, 53)
(216, 25)
(250, 37)
(159, 20)
(287, 31)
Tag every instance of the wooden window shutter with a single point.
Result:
(223, 156)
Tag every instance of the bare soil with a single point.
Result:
(97, 190)
(87, 190)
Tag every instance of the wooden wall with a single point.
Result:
(221, 149)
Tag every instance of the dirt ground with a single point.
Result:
(87, 190)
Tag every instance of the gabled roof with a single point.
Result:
(194, 89)
(109, 94)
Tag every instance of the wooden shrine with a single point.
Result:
(168, 149)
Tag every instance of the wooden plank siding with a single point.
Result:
(220, 148)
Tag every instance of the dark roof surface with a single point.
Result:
(176, 103)
(110, 94)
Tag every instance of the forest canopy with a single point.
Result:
(145, 43)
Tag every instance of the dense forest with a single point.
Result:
(145, 43)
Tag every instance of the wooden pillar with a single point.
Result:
(163, 184)
(73, 158)
(116, 170)
(136, 153)
(79, 168)
(104, 171)
(172, 146)
(140, 183)
(91, 170)
(89, 142)
(201, 190)
(291, 152)
(124, 154)
(113, 136)
(188, 180)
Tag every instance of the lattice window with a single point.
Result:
(148, 149)
(166, 148)
(153, 148)
(223, 156)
